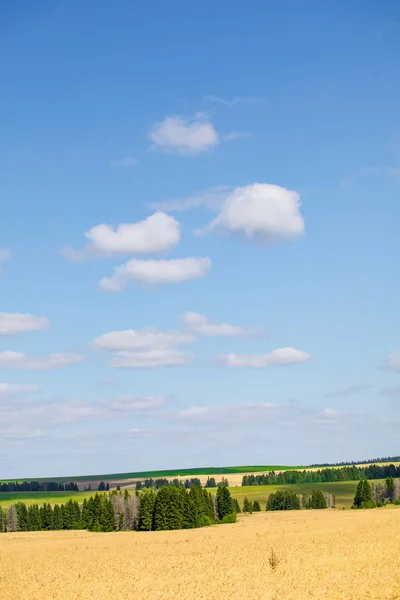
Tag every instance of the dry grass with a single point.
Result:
(335, 555)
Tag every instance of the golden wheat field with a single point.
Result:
(329, 555)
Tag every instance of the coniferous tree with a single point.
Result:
(390, 489)
(363, 497)
(57, 518)
(236, 506)
(317, 500)
(147, 499)
(22, 516)
(2, 520)
(256, 506)
(35, 521)
(211, 483)
(224, 505)
(283, 500)
(247, 505)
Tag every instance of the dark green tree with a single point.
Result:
(57, 518)
(236, 505)
(256, 506)
(317, 500)
(363, 496)
(35, 522)
(147, 500)
(22, 516)
(223, 504)
(390, 489)
(247, 505)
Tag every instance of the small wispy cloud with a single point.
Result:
(233, 101)
(236, 135)
(128, 161)
(388, 171)
(348, 391)
(5, 255)
(211, 198)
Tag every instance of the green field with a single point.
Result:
(343, 490)
(7, 498)
(160, 474)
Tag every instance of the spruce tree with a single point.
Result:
(22, 516)
(247, 505)
(256, 506)
(236, 506)
(57, 518)
(224, 505)
(147, 500)
(390, 489)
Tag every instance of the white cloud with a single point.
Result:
(158, 233)
(15, 323)
(393, 361)
(256, 413)
(268, 212)
(150, 359)
(279, 357)
(127, 161)
(233, 101)
(211, 198)
(15, 389)
(145, 348)
(201, 325)
(18, 360)
(131, 339)
(156, 272)
(185, 135)
(131, 403)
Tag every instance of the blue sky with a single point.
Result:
(199, 234)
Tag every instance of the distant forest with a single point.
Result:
(352, 473)
(386, 459)
(38, 486)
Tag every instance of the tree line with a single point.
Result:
(372, 495)
(386, 459)
(170, 507)
(351, 473)
(289, 500)
(188, 483)
(38, 486)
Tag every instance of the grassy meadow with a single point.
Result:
(7, 498)
(340, 555)
(344, 492)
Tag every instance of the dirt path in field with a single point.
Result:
(321, 555)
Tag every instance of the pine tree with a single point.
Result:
(247, 506)
(256, 506)
(390, 489)
(224, 504)
(22, 516)
(317, 499)
(106, 520)
(363, 497)
(147, 500)
(57, 518)
(236, 506)
(2, 520)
